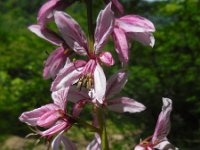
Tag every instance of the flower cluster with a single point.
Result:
(76, 67)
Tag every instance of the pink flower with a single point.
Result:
(113, 87)
(58, 57)
(88, 73)
(60, 139)
(159, 139)
(46, 11)
(132, 27)
(95, 144)
(51, 116)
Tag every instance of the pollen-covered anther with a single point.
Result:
(86, 81)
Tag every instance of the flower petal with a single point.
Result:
(76, 94)
(125, 104)
(139, 147)
(46, 34)
(163, 124)
(54, 63)
(106, 58)
(60, 97)
(46, 11)
(71, 32)
(95, 144)
(135, 23)
(104, 27)
(115, 83)
(68, 75)
(68, 145)
(121, 45)
(99, 84)
(31, 117)
(145, 38)
(118, 6)
(165, 145)
(56, 128)
(49, 118)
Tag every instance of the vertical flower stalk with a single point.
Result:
(99, 111)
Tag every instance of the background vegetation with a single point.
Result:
(171, 69)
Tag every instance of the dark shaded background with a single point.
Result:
(171, 69)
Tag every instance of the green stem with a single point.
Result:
(103, 133)
(90, 24)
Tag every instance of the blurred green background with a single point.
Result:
(171, 69)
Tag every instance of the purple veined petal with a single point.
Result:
(104, 27)
(125, 104)
(31, 117)
(56, 128)
(165, 145)
(118, 6)
(95, 144)
(163, 124)
(46, 11)
(99, 84)
(71, 32)
(60, 139)
(46, 34)
(68, 75)
(49, 118)
(78, 107)
(115, 83)
(145, 38)
(76, 94)
(121, 45)
(54, 63)
(139, 147)
(60, 97)
(106, 58)
(135, 23)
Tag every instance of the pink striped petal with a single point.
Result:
(125, 104)
(163, 124)
(31, 117)
(115, 83)
(46, 11)
(49, 118)
(118, 6)
(71, 32)
(56, 128)
(60, 98)
(106, 58)
(165, 145)
(121, 45)
(60, 139)
(134, 23)
(95, 144)
(104, 27)
(76, 94)
(68, 75)
(99, 84)
(54, 63)
(145, 38)
(46, 34)
(139, 147)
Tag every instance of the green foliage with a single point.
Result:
(170, 69)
